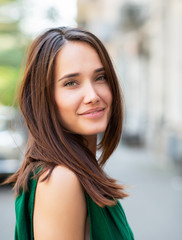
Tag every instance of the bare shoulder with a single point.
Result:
(60, 206)
(63, 183)
(61, 177)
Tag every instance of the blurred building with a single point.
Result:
(143, 38)
(164, 31)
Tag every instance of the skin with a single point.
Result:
(84, 99)
(81, 85)
(60, 207)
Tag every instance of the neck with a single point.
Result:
(92, 142)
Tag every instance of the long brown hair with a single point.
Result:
(49, 143)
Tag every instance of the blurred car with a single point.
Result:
(13, 138)
(134, 131)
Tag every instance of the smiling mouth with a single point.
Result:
(93, 113)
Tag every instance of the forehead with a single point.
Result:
(77, 56)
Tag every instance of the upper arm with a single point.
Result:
(60, 207)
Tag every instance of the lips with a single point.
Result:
(93, 110)
(93, 113)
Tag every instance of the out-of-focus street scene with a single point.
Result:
(143, 38)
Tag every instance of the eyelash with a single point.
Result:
(103, 78)
(70, 84)
(74, 83)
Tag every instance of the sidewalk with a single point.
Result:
(153, 209)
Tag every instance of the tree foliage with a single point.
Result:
(8, 83)
(12, 48)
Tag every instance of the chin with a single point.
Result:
(94, 131)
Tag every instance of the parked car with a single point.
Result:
(13, 138)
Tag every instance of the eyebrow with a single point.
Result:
(77, 74)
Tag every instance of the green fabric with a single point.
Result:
(108, 223)
(24, 205)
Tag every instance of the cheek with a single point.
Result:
(61, 102)
(67, 102)
(107, 95)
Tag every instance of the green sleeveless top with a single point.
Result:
(108, 223)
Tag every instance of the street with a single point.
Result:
(7, 213)
(153, 209)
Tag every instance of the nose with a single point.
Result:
(90, 94)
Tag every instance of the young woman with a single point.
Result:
(69, 94)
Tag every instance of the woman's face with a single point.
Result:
(82, 93)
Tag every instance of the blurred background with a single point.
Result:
(144, 39)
